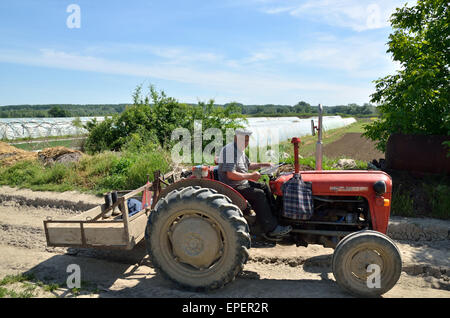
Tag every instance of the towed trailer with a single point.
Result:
(92, 230)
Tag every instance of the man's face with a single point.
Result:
(242, 141)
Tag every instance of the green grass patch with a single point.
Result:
(96, 174)
(25, 286)
(439, 198)
(402, 204)
(11, 279)
(23, 281)
(32, 146)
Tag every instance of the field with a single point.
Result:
(346, 142)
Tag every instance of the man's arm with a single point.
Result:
(238, 176)
(254, 166)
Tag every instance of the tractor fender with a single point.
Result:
(220, 187)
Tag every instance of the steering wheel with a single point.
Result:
(270, 170)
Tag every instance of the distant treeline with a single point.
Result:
(67, 110)
(305, 109)
(300, 109)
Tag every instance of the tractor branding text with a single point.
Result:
(348, 189)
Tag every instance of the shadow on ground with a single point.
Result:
(109, 273)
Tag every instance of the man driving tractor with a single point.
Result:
(233, 170)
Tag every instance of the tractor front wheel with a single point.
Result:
(367, 263)
(197, 238)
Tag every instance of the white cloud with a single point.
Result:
(353, 14)
(172, 55)
(354, 57)
(249, 87)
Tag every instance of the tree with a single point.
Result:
(57, 111)
(416, 99)
(302, 107)
(154, 122)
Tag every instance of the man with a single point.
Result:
(233, 170)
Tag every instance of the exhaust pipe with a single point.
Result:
(319, 141)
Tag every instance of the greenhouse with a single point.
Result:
(266, 129)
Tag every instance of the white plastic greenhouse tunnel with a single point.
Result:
(15, 128)
(265, 129)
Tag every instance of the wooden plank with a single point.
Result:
(156, 187)
(106, 235)
(137, 227)
(134, 192)
(83, 235)
(83, 221)
(125, 218)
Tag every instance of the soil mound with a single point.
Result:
(59, 155)
(9, 155)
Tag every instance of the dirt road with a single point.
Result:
(272, 271)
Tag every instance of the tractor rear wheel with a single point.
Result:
(367, 263)
(197, 238)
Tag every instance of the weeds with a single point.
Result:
(26, 289)
(439, 198)
(95, 174)
(402, 204)
(24, 286)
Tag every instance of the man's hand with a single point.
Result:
(255, 176)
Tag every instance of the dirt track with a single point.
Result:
(280, 271)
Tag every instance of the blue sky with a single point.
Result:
(249, 51)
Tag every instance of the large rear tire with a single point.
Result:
(367, 263)
(197, 238)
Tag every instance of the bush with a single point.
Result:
(155, 122)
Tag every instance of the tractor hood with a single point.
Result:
(338, 182)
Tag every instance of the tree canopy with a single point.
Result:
(415, 100)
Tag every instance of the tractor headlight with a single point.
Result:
(379, 187)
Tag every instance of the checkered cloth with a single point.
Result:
(297, 199)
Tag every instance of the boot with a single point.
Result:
(280, 230)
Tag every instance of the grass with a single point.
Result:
(27, 286)
(420, 196)
(32, 146)
(95, 174)
(23, 286)
(439, 199)
(402, 204)
(37, 139)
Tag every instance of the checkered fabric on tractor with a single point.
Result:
(297, 199)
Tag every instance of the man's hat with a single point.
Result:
(243, 132)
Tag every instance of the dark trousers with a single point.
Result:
(260, 198)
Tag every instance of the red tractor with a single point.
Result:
(200, 229)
